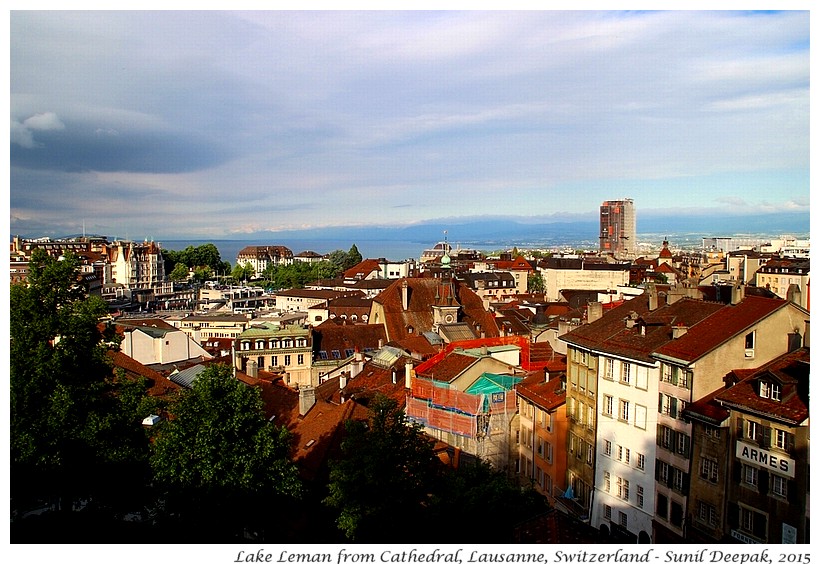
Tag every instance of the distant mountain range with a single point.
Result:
(480, 232)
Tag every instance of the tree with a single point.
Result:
(384, 476)
(220, 462)
(179, 273)
(535, 283)
(243, 272)
(354, 257)
(70, 433)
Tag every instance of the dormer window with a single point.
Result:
(770, 390)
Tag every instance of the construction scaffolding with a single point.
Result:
(476, 420)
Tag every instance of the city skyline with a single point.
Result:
(225, 124)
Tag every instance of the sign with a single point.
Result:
(743, 538)
(789, 534)
(498, 397)
(765, 459)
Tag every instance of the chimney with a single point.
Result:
(342, 380)
(679, 331)
(307, 397)
(794, 340)
(806, 335)
(653, 296)
(405, 295)
(408, 375)
(393, 376)
(738, 293)
(594, 311)
(253, 369)
(630, 319)
(381, 343)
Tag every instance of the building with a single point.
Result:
(466, 398)
(788, 278)
(655, 350)
(285, 350)
(155, 343)
(561, 274)
(543, 425)
(133, 265)
(618, 233)
(767, 479)
(205, 327)
(260, 257)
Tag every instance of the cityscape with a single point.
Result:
(655, 398)
(290, 281)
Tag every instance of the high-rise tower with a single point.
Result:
(618, 234)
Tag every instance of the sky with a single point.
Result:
(217, 124)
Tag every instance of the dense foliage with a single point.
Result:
(203, 260)
(72, 423)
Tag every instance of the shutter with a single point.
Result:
(734, 515)
(759, 435)
(790, 443)
(660, 404)
(767, 437)
(759, 525)
(686, 445)
(739, 428)
(658, 435)
(658, 470)
(685, 483)
(736, 467)
(673, 408)
(675, 375)
(791, 491)
(763, 481)
(670, 476)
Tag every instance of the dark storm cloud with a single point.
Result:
(82, 147)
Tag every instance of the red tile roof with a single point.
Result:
(160, 386)
(727, 322)
(791, 371)
(363, 269)
(423, 294)
(548, 395)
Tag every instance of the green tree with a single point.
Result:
(243, 272)
(220, 462)
(354, 257)
(382, 480)
(535, 283)
(179, 273)
(70, 432)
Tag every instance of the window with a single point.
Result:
(640, 416)
(300, 359)
(668, 406)
(682, 444)
(770, 390)
(620, 452)
(608, 405)
(623, 488)
(749, 475)
(622, 519)
(750, 345)
(641, 463)
(639, 496)
(626, 370)
(609, 369)
(707, 513)
(677, 480)
(607, 481)
(708, 469)
(684, 379)
(287, 360)
(669, 373)
(607, 512)
(753, 523)
(259, 345)
(549, 452)
(676, 514)
(779, 485)
(753, 430)
(607, 447)
(589, 455)
(624, 411)
(662, 508)
(781, 439)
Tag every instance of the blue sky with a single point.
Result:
(217, 124)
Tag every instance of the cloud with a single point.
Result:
(22, 133)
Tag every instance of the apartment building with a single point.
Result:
(262, 256)
(631, 374)
(542, 433)
(751, 451)
(277, 348)
(788, 278)
(561, 274)
(618, 229)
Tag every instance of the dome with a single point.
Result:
(445, 260)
